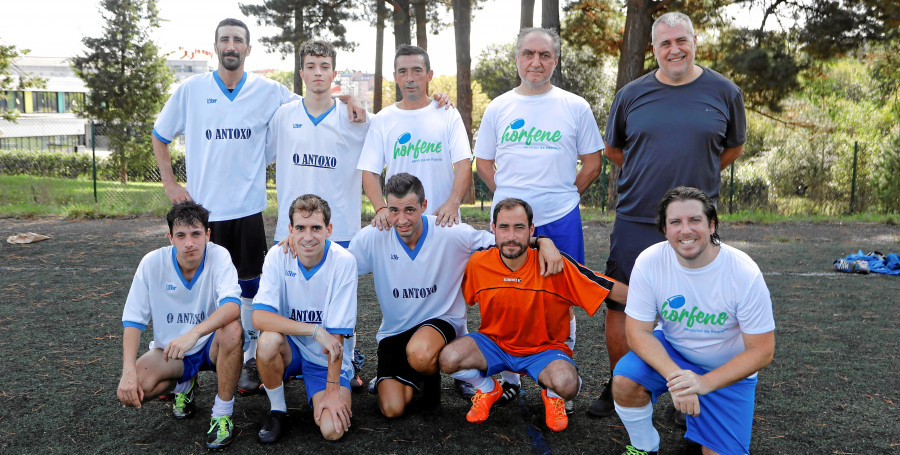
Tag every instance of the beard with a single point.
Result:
(233, 64)
(515, 254)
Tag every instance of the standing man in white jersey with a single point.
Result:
(418, 268)
(536, 134)
(189, 290)
(224, 117)
(700, 326)
(414, 136)
(306, 308)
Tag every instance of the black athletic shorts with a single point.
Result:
(245, 239)
(392, 360)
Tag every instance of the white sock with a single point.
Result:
(479, 381)
(222, 407)
(183, 387)
(639, 425)
(247, 324)
(570, 342)
(553, 394)
(276, 398)
(510, 378)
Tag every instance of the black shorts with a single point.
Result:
(392, 360)
(245, 239)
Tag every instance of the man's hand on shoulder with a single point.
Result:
(381, 220)
(444, 100)
(551, 261)
(447, 214)
(355, 108)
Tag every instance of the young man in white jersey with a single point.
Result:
(536, 134)
(413, 136)
(715, 331)
(306, 308)
(418, 267)
(224, 117)
(190, 292)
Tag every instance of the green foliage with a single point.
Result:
(80, 165)
(888, 181)
(447, 84)
(127, 77)
(496, 69)
(11, 77)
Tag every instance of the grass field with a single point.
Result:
(833, 388)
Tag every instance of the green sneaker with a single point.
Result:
(219, 435)
(629, 450)
(184, 402)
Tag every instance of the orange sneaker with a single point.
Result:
(482, 402)
(555, 409)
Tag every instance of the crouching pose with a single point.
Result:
(190, 292)
(306, 309)
(524, 317)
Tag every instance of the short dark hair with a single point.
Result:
(686, 193)
(235, 22)
(188, 213)
(554, 38)
(408, 49)
(402, 184)
(317, 48)
(511, 203)
(309, 203)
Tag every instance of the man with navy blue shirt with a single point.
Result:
(189, 290)
(679, 125)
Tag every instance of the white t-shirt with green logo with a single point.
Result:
(702, 312)
(424, 142)
(535, 142)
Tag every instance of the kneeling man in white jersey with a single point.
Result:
(715, 331)
(190, 292)
(418, 268)
(306, 308)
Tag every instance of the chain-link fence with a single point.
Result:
(61, 164)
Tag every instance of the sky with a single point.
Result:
(54, 28)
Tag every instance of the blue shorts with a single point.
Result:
(499, 360)
(198, 361)
(566, 234)
(726, 415)
(314, 376)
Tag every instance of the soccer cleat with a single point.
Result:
(184, 405)
(555, 410)
(356, 384)
(570, 407)
(271, 429)
(629, 450)
(841, 265)
(359, 359)
(482, 402)
(219, 435)
(860, 266)
(371, 386)
(249, 381)
(465, 390)
(510, 392)
(603, 406)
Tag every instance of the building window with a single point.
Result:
(45, 101)
(73, 100)
(12, 101)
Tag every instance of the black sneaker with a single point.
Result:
(603, 406)
(220, 433)
(184, 405)
(249, 381)
(465, 390)
(510, 392)
(271, 429)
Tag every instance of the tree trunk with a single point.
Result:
(381, 12)
(421, 23)
(526, 16)
(550, 21)
(298, 29)
(638, 21)
(462, 26)
(401, 31)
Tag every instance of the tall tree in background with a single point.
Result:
(300, 20)
(550, 21)
(13, 78)
(127, 78)
(380, 15)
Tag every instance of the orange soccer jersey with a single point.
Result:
(523, 312)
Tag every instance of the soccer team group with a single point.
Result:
(686, 314)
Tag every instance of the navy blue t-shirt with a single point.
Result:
(672, 135)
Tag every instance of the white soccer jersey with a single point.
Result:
(325, 294)
(424, 142)
(225, 139)
(535, 142)
(420, 284)
(160, 293)
(701, 311)
(318, 156)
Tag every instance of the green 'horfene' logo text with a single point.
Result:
(670, 312)
(515, 133)
(403, 147)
